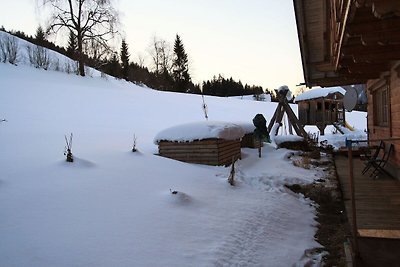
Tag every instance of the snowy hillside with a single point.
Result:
(113, 207)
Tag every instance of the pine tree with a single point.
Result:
(180, 67)
(40, 36)
(125, 59)
(72, 45)
(113, 67)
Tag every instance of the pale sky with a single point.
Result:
(253, 40)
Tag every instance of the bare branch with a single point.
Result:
(90, 20)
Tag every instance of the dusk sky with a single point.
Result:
(254, 40)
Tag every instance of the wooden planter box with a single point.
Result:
(207, 151)
(250, 141)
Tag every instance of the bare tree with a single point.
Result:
(161, 55)
(96, 51)
(9, 50)
(88, 20)
(141, 60)
(38, 57)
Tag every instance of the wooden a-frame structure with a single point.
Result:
(283, 107)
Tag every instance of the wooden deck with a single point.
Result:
(377, 204)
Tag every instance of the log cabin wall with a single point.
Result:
(207, 151)
(362, 42)
(381, 109)
(321, 110)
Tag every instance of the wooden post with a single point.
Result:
(273, 119)
(231, 178)
(353, 199)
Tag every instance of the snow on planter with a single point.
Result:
(211, 142)
(293, 142)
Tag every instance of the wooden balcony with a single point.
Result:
(377, 205)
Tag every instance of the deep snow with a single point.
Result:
(113, 207)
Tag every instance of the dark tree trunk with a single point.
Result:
(80, 55)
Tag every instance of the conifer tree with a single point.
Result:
(125, 59)
(40, 36)
(113, 67)
(180, 67)
(72, 45)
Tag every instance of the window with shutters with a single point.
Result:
(381, 106)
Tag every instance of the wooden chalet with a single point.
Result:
(321, 108)
(345, 42)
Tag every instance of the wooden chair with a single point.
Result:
(369, 157)
(380, 163)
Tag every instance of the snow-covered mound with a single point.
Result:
(201, 130)
(279, 139)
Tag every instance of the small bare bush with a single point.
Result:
(71, 68)
(134, 148)
(9, 50)
(68, 149)
(56, 65)
(38, 57)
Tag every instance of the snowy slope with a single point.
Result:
(112, 207)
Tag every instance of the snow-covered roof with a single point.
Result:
(319, 92)
(201, 130)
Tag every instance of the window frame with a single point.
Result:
(381, 100)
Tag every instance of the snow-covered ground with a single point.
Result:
(113, 207)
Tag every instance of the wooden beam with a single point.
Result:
(298, 127)
(369, 49)
(324, 66)
(387, 7)
(382, 57)
(341, 32)
(273, 119)
(339, 80)
(373, 25)
(381, 38)
(367, 67)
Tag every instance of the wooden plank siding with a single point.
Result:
(208, 151)
(250, 141)
(393, 128)
(378, 214)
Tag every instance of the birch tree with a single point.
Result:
(89, 20)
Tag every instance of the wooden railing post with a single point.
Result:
(349, 145)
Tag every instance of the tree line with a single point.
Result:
(220, 86)
(90, 24)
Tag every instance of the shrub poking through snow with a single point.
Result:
(38, 57)
(231, 178)
(68, 148)
(134, 149)
(205, 108)
(174, 192)
(9, 50)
